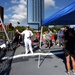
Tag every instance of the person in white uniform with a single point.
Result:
(27, 39)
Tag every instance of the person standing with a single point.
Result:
(69, 43)
(60, 37)
(55, 36)
(48, 39)
(16, 38)
(37, 36)
(27, 39)
(44, 37)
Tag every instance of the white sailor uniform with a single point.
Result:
(27, 40)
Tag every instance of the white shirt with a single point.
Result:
(27, 33)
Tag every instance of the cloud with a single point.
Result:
(14, 1)
(5, 16)
(23, 2)
(49, 3)
(19, 1)
(19, 11)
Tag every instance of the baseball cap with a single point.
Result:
(27, 25)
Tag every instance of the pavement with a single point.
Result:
(33, 64)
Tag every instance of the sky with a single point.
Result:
(16, 10)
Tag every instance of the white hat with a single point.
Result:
(27, 25)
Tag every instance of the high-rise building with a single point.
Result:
(2, 13)
(35, 13)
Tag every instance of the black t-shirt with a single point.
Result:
(17, 36)
(70, 40)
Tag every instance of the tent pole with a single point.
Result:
(39, 61)
(40, 20)
(41, 36)
(40, 47)
(40, 23)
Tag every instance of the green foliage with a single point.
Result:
(55, 28)
(9, 29)
(45, 28)
(52, 29)
(32, 30)
(2, 34)
(20, 28)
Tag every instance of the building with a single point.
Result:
(35, 13)
(2, 17)
(7, 26)
(2, 13)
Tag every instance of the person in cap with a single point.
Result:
(27, 39)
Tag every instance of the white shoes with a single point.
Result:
(67, 73)
(26, 52)
(73, 71)
(29, 52)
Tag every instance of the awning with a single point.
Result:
(66, 16)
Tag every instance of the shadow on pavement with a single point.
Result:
(5, 65)
(62, 56)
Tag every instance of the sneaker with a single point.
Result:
(26, 52)
(31, 52)
(73, 72)
(49, 47)
(67, 73)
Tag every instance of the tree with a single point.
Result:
(45, 28)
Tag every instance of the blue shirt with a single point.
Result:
(60, 34)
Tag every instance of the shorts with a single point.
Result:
(71, 53)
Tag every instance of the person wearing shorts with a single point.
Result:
(69, 43)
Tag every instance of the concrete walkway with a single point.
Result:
(49, 64)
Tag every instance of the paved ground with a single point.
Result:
(49, 64)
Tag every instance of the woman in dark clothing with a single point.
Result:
(69, 43)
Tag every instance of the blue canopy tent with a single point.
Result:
(66, 16)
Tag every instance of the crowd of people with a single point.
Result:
(65, 38)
